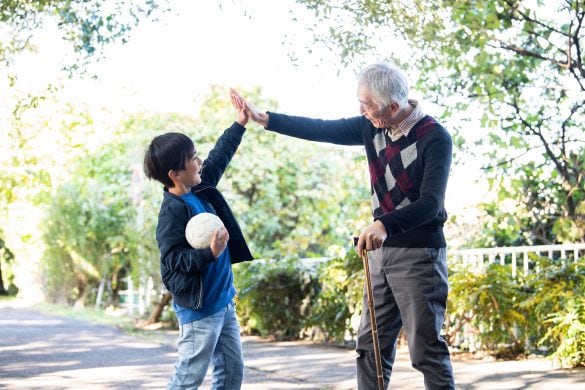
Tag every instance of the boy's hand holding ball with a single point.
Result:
(207, 230)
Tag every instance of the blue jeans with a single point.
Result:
(214, 339)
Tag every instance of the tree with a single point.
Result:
(26, 173)
(277, 186)
(85, 241)
(38, 152)
(273, 184)
(88, 25)
(515, 67)
(100, 221)
(6, 257)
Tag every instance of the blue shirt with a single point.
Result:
(217, 277)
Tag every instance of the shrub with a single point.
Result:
(274, 297)
(556, 307)
(567, 331)
(339, 298)
(487, 302)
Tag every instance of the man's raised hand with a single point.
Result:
(259, 117)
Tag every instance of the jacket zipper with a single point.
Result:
(200, 297)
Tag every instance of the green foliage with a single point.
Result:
(301, 298)
(85, 231)
(567, 331)
(283, 189)
(487, 301)
(555, 291)
(40, 149)
(6, 258)
(274, 297)
(543, 308)
(340, 295)
(88, 25)
(531, 209)
(517, 64)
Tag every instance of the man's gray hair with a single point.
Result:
(386, 83)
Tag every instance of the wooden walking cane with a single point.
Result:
(370, 295)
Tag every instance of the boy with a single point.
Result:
(200, 280)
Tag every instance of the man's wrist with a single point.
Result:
(263, 119)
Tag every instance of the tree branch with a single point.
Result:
(536, 131)
(526, 17)
(572, 38)
(528, 53)
(576, 41)
(512, 159)
(565, 124)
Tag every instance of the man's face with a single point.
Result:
(380, 118)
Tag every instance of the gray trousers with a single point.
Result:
(410, 290)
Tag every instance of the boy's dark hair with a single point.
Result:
(166, 152)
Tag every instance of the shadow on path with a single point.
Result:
(39, 351)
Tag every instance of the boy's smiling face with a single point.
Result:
(187, 177)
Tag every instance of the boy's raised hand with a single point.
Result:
(257, 116)
(240, 105)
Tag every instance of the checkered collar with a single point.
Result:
(404, 127)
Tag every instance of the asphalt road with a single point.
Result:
(40, 351)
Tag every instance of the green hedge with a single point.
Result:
(508, 315)
(274, 297)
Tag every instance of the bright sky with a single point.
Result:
(166, 65)
(169, 65)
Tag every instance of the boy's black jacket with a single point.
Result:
(180, 264)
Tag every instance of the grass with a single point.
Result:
(95, 316)
(7, 298)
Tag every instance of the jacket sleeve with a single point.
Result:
(436, 166)
(220, 156)
(176, 253)
(338, 131)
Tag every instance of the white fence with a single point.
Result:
(518, 257)
(138, 299)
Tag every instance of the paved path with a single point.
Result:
(39, 351)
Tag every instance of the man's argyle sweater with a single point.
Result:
(408, 177)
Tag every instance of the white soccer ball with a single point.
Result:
(200, 228)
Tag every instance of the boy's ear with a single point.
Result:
(173, 175)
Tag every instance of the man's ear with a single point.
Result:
(392, 109)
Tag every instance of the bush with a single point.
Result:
(274, 297)
(545, 308)
(486, 302)
(556, 308)
(567, 331)
(339, 298)
(506, 313)
(287, 300)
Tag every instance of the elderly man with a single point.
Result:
(409, 157)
